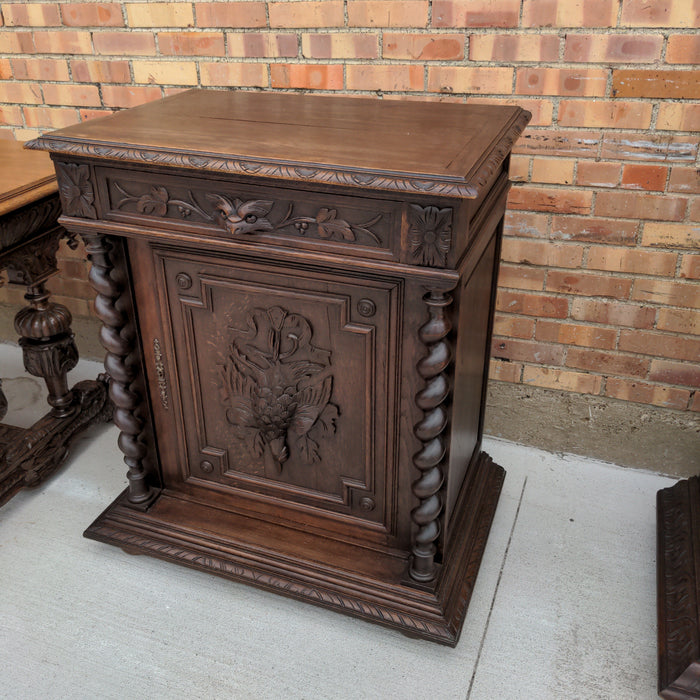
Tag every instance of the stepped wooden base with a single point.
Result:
(678, 566)
(28, 456)
(345, 577)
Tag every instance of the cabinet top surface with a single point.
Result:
(436, 147)
(25, 176)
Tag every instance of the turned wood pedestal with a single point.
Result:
(297, 295)
(29, 238)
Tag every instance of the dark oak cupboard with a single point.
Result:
(297, 296)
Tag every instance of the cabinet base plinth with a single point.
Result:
(345, 577)
(678, 563)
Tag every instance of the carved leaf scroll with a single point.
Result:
(277, 387)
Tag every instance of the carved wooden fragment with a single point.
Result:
(312, 283)
(678, 563)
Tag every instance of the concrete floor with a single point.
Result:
(563, 609)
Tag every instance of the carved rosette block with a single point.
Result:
(119, 339)
(678, 561)
(430, 432)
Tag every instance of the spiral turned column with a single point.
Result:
(118, 337)
(429, 431)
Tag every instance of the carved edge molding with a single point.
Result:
(678, 514)
(23, 223)
(279, 583)
(448, 187)
(428, 460)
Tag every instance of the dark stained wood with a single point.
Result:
(297, 296)
(678, 575)
(29, 238)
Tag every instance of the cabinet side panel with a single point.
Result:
(471, 367)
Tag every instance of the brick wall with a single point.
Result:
(598, 288)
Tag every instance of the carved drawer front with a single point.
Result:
(344, 225)
(286, 384)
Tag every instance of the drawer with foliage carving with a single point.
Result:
(341, 224)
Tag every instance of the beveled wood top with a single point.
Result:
(416, 146)
(25, 176)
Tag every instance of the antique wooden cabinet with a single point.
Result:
(297, 296)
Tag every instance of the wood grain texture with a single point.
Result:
(25, 176)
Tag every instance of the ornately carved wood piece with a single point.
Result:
(430, 234)
(277, 387)
(247, 216)
(76, 190)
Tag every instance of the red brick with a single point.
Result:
(527, 224)
(613, 313)
(519, 169)
(680, 84)
(70, 42)
(679, 321)
(637, 205)
(678, 116)
(642, 13)
(659, 345)
(230, 14)
(569, 13)
(694, 210)
(5, 69)
(561, 81)
(504, 371)
(25, 93)
(656, 147)
(527, 351)
(597, 174)
(129, 96)
(532, 304)
(423, 47)
(683, 48)
(562, 201)
(521, 277)
(288, 15)
(641, 392)
(467, 79)
(340, 45)
(644, 262)
(235, 74)
(513, 326)
(644, 177)
(159, 14)
(588, 284)
(607, 363)
(613, 48)
(690, 267)
(54, 117)
(683, 374)
(10, 114)
(87, 114)
(658, 291)
(96, 71)
(388, 13)
(576, 334)
(191, 43)
(605, 114)
(668, 235)
(476, 13)
(262, 45)
(17, 42)
(541, 109)
(684, 180)
(695, 401)
(92, 14)
(564, 380)
(76, 95)
(544, 253)
(128, 43)
(582, 144)
(314, 76)
(40, 69)
(389, 78)
(553, 171)
(512, 48)
(31, 14)
(594, 230)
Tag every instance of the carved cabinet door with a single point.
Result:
(277, 384)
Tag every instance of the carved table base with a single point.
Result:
(678, 561)
(352, 579)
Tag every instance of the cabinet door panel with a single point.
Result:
(286, 384)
